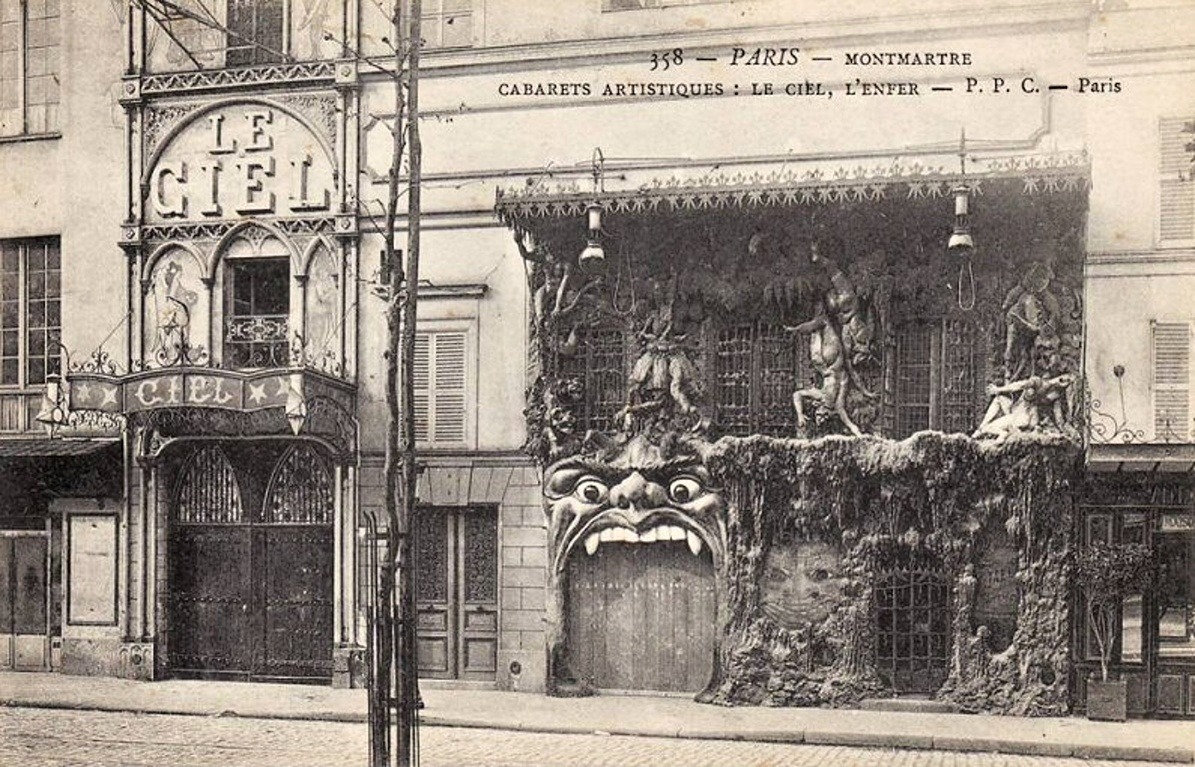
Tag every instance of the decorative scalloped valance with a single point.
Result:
(794, 187)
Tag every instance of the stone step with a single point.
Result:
(909, 704)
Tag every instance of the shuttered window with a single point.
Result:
(441, 388)
(1172, 381)
(1178, 188)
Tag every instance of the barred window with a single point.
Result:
(599, 364)
(258, 312)
(758, 366)
(936, 377)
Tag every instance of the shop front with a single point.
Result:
(809, 438)
(1142, 494)
(236, 540)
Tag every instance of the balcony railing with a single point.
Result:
(256, 341)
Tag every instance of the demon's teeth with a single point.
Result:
(694, 542)
(591, 543)
(674, 533)
(651, 536)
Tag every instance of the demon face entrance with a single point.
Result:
(250, 581)
(641, 615)
(913, 624)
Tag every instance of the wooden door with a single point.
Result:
(296, 609)
(250, 589)
(213, 610)
(23, 589)
(456, 590)
(642, 617)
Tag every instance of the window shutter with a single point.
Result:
(1172, 380)
(449, 414)
(420, 385)
(1178, 188)
(440, 385)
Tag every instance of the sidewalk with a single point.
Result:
(1168, 741)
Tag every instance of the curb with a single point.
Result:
(891, 740)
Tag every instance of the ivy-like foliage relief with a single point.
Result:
(932, 501)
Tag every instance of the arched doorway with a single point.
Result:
(251, 562)
(642, 616)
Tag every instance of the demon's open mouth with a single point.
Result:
(658, 526)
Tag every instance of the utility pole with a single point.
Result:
(396, 638)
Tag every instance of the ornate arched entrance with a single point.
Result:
(250, 584)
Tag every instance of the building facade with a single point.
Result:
(730, 389)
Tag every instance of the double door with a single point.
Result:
(456, 590)
(23, 599)
(251, 564)
(252, 601)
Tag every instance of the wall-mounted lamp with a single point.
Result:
(52, 413)
(296, 405)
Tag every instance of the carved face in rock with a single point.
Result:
(638, 496)
(800, 583)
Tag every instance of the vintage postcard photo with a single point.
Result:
(597, 382)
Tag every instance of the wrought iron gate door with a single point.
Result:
(251, 593)
(23, 585)
(642, 617)
(913, 626)
(456, 590)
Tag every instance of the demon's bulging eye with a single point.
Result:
(591, 490)
(684, 489)
(820, 574)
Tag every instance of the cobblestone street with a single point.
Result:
(55, 738)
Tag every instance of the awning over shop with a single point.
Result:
(41, 447)
(1142, 457)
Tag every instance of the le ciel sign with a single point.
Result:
(240, 160)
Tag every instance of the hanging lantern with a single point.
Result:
(593, 257)
(960, 238)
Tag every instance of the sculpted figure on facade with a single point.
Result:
(663, 379)
(841, 334)
(1031, 404)
(1031, 316)
(558, 295)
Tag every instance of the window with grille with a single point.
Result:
(1172, 381)
(255, 32)
(758, 366)
(936, 377)
(447, 23)
(1177, 203)
(441, 388)
(600, 365)
(30, 38)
